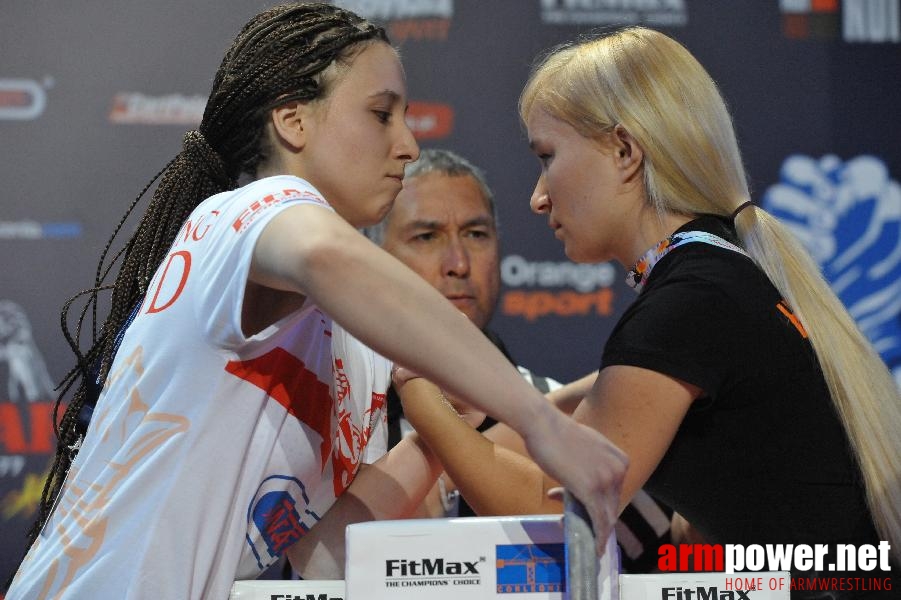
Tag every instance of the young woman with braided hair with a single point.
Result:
(235, 413)
(738, 385)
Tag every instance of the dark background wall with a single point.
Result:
(95, 97)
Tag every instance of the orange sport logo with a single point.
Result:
(561, 289)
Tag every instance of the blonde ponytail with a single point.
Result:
(865, 394)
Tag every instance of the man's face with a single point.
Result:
(442, 228)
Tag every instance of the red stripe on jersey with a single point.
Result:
(286, 379)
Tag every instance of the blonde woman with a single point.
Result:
(736, 383)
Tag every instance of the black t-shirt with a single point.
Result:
(761, 457)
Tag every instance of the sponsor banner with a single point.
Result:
(22, 478)
(871, 21)
(387, 10)
(25, 430)
(407, 19)
(705, 586)
(475, 557)
(27, 377)
(27, 439)
(562, 289)
(430, 120)
(802, 19)
(135, 108)
(852, 21)
(23, 99)
(847, 213)
(657, 13)
(27, 443)
(35, 230)
(427, 120)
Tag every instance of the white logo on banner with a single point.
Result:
(848, 215)
(620, 12)
(34, 230)
(516, 272)
(23, 99)
(871, 21)
(172, 109)
(400, 9)
(28, 378)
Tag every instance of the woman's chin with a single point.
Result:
(382, 212)
(573, 253)
(372, 218)
(579, 254)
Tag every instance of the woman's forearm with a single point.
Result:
(494, 480)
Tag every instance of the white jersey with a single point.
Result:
(209, 453)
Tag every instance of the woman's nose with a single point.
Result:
(541, 200)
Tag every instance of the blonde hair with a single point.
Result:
(653, 87)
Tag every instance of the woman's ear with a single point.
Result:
(289, 124)
(629, 153)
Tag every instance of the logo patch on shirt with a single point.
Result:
(275, 517)
(259, 205)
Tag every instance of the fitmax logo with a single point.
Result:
(427, 566)
(702, 593)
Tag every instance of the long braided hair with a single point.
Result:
(281, 55)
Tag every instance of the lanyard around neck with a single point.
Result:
(638, 274)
